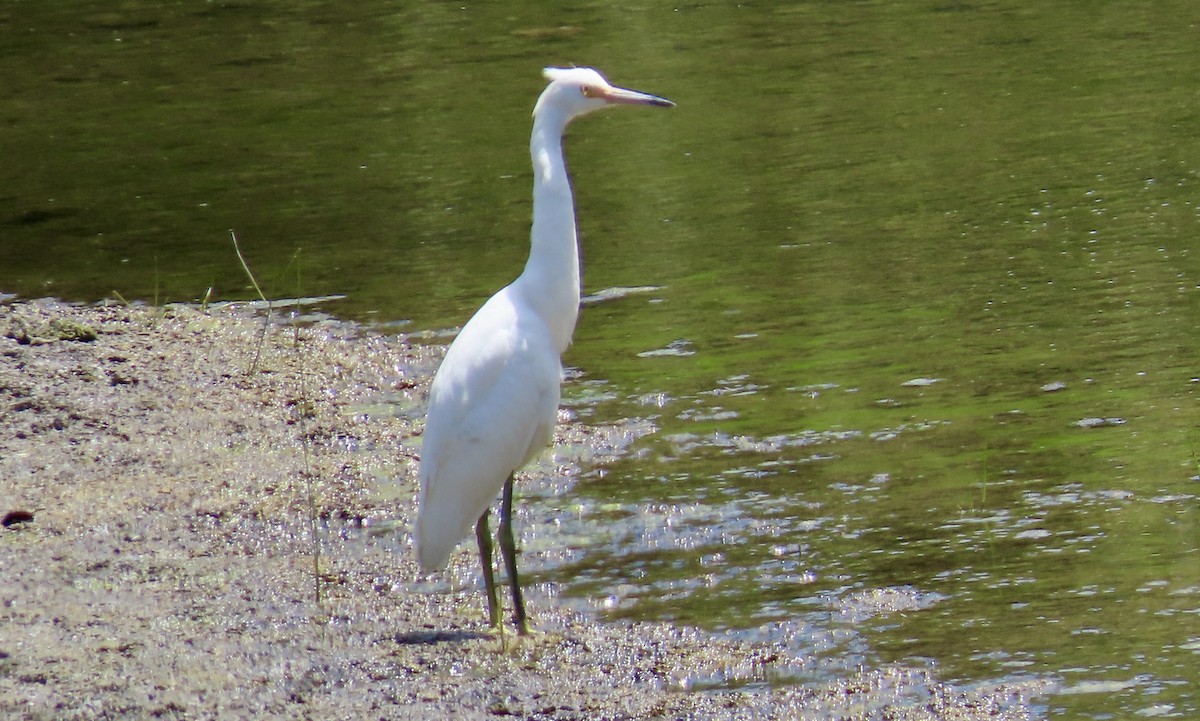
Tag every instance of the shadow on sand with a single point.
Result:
(430, 638)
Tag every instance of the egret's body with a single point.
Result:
(494, 400)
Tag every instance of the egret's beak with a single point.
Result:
(622, 96)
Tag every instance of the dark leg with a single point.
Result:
(483, 537)
(508, 548)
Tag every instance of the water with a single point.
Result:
(918, 288)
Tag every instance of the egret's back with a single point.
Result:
(492, 407)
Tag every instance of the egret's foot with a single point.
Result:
(523, 629)
(502, 640)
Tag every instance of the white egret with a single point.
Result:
(494, 400)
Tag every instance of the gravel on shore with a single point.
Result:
(163, 475)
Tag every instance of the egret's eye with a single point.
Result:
(588, 91)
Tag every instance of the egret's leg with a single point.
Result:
(483, 536)
(508, 548)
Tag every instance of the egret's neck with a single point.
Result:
(550, 282)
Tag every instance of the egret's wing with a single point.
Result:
(492, 407)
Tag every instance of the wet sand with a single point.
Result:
(161, 474)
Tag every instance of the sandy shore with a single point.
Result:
(160, 469)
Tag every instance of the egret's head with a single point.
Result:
(578, 91)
